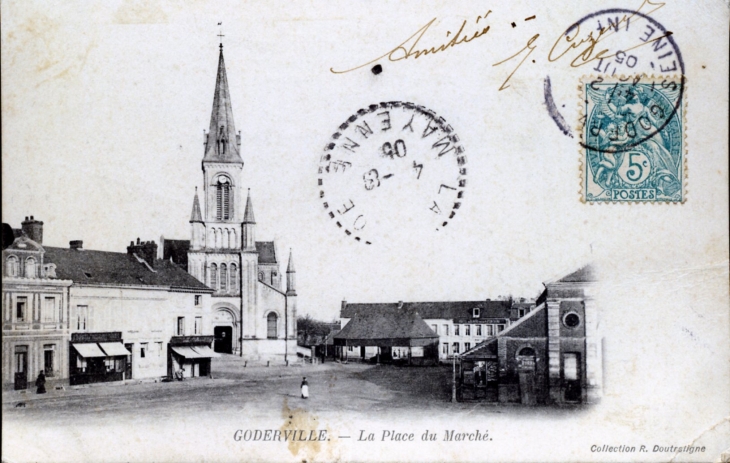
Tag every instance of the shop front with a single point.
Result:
(190, 356)
(97, 358)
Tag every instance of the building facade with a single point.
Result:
(253, 316)
(550, 356)
(36, 312)
(85, 316)
(460, 325)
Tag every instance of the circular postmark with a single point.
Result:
(619, 42)
(390, 168)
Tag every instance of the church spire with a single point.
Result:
(196, 216)
(248, 215)
(222, 143)
(291, 283)
(249, 227)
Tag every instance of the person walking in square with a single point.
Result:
(305, 388)
(40, 383)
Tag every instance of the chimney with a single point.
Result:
(33, 229)
(146, 250)
(76, 244)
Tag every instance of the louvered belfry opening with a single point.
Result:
(223, 200)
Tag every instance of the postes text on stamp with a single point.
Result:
(633, 137)
(391, 168)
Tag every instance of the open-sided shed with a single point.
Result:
(397, 333)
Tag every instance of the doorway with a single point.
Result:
(526, 372)
(223, 339)
(21, 367)
(128, 366)
(572, 377)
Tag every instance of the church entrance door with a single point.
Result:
(223, 339)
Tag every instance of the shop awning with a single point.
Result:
(89, 350)
(187, 352)
(205, 351)
(113, 349)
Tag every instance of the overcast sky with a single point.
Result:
(104, 109)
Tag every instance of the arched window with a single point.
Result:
(219, 238)
(271, 320)
(234, 244)
(273, 278)
(223, 199)
(234, 278)
(224, 277)
(261, 276)
(11, 266)
(214, 277)
(30, 271)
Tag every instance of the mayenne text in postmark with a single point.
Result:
(391, 168)
(632, 134)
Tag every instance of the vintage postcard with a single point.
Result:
(365, 231)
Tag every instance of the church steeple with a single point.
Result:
(222, 143)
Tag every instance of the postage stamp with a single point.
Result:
(632, 130)
(391, 167)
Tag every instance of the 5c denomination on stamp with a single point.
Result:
(633, 133)
(390, 167)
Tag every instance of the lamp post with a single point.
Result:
(453, 380)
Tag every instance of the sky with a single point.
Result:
(104, 109)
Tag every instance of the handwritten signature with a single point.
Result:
(408, 48)
(586, 48)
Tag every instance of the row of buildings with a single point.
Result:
(545, 351)
(85, 316)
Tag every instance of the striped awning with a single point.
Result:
(89, 350)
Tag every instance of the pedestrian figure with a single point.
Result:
(305, 388)
(41, 383)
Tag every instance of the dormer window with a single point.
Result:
(475, 312)
(222, 140)
(30, 268)
(11, 266)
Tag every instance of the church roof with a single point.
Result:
(267, 252)
(116, 268)
(196, 216)
(177, 250)
(222, 141)
(448, 310)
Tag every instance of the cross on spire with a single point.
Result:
(220, 34)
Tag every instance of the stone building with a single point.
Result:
(252, 315)
(550, 356)
(87, 316)
(460, 325)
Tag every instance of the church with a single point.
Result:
(253, 315)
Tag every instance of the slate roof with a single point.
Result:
(385, 326)
(178, 250)
(532, 325)
(267, 252)
(116, 268)
(437, 310)
(585, 273)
